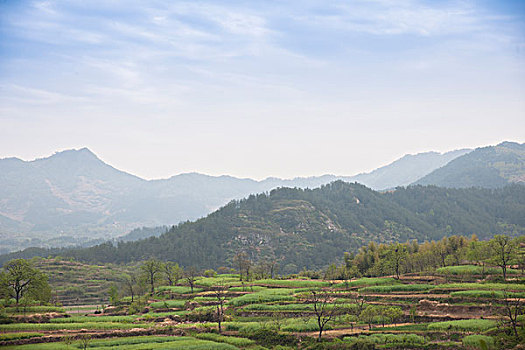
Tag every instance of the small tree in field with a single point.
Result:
(513, 308)
(244, 265)
(504, 252)
(191, 275)
(173, 272)
(220, 293)
(130, 282)
(151, 270)
(323, 308)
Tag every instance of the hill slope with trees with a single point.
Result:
(309, 228)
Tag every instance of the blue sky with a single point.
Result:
(259, 88)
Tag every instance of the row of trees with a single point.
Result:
(397, 258)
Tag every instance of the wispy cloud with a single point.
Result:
(265, 68)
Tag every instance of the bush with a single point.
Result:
(478, 342)
(268, 338)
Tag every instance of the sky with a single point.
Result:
(259, 88)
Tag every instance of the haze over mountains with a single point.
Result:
(73, 196)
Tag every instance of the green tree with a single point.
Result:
(151, 270)
(20, 278)
(479, 252)
(173, 272)
(504, 251)
(114, 297)
(396, 256)
(368, 315)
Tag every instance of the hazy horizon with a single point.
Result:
(247, 177)
(254, 90)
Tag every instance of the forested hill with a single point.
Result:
(310, 228)
(489, 167)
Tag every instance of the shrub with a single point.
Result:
(478, 342)
(268, 338)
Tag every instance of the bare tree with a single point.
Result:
(190, 275)
(220, 293)
(513, 308)
(504, 251)
(244, 264)
(324, 308)
(130, 281)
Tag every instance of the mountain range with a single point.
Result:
(73, 197)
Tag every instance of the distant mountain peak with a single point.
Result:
(490, 166)
(75, 153)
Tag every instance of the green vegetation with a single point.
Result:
(481, 286)
(397, 288)
(33, 309)
(487, 294)
(105, 319)
(68, 326)
(464, 325)
(386, 338)
(236, 341)
(17, 336)
(178, 289)
(471, 270)
(477, 341)
(264, 296)
(167, 304)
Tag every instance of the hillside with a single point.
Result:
(310, 228)
(73, 197)
(407, 169)
(489, 167)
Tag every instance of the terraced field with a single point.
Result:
(434, 311)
